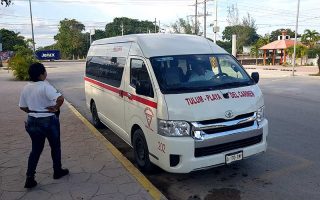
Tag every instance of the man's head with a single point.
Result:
(198, 68)
(37, 72)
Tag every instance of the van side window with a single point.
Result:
(106, 69)
(139, 75)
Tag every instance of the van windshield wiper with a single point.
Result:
(234, 84)
(190, 89)
(180, 89)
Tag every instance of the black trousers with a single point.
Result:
(39, 129)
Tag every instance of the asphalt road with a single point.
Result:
(288, 170)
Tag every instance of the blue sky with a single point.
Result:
(269, 15)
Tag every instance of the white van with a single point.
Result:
(182, 102)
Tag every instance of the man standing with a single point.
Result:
(42, 101)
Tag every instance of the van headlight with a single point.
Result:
(173, 128)
(260, 114)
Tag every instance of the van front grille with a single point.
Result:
(229, 128)
(211, 150)
(221, 120)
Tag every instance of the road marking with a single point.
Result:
(151, 189)
(302, 164)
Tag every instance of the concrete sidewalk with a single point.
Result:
(95, 173)
(280, 71)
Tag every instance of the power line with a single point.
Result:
(137, 2)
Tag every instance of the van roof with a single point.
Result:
(162, 44)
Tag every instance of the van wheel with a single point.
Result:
(141, 152)
(95, 118)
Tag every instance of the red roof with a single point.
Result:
(278, 44)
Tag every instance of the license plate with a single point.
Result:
(234, 157)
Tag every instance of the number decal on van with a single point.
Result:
(149, 115)
(161, 147)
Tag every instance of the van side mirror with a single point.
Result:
(255, 76)
(144, 88)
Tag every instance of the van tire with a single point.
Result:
(141, 152)
(95, 118)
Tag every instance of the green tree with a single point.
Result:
(263, 40)
(130, 26)
(246, 35)
(316, 50)
(274, 34)
(21, 61)
(184, 26)
(11, 39)
(301, 51)
(318, 62)
(85, 38)
(99, 34)
(70, 39)
(310, 38)
(5, 2)
(226, 45)
(49, 47)
(246, 31)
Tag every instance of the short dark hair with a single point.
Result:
(35, 70)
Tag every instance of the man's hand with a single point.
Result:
(56, 108)
(25, 109)
(52, 109)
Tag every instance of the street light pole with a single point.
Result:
(295, 39)
(33, 44)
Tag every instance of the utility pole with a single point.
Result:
(196, 19)
(92, 32)
(205, 19)
(197, 15)
(295, 39)
(234, 45)
(155, 25)
(121, 28)
(216, 28)
(33, 44)
(159, 27)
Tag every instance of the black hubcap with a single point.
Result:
(94, 114)
(140, 150)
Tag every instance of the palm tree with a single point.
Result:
(260, 42)
(310, 38)
(301, 51)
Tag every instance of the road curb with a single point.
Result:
(145, 183)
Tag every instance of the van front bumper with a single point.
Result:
(195, 155)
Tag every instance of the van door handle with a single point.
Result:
(121, 93)
(129, 96)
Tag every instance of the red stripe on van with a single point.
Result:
(108, 87)
(118, 91)
(141, 100)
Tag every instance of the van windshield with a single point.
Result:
(195, 73)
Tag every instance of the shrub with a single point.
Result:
(312, 52)
(20, 62)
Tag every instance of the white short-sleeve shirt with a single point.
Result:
(206, 76)
(36, 96)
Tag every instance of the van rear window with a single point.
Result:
(106, 69)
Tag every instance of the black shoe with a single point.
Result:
(60, 173)
(30, 182)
